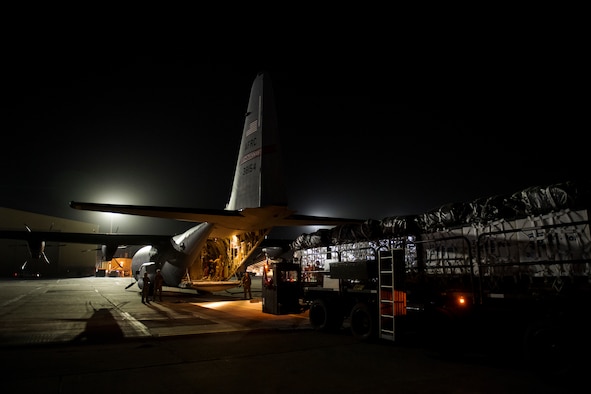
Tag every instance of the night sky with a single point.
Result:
(389, 136)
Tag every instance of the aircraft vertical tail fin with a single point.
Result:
(258, 179)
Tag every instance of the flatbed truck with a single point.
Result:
(460, 277)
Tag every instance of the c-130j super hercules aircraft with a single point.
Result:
(257, 204)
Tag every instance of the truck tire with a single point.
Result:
(547, 347)
(362, 323)
(323, 316)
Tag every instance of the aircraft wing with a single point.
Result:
(85, 238)
(110, 242)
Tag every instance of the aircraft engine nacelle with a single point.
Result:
(147, 259)
(37, 248)
(150, 268)
(139, 261)
(109, 251)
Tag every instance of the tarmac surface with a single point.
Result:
(94, 335)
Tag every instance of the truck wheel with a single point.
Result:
(547, 347)
(362, 324)
(323, 317)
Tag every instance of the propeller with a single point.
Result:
(37, 247)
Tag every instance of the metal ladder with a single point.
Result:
(392, 301)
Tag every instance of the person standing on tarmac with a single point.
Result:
(146, 289)
(158, 282)
(245, 283)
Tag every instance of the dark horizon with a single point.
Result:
(362, 142)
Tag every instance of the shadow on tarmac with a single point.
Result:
(101, 327)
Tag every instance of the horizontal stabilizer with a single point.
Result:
(248, 219)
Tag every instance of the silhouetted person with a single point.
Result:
(158, 282)
(245, 283)
(146, 289)
(219, 268)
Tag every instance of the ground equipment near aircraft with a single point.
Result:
(507, 272)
